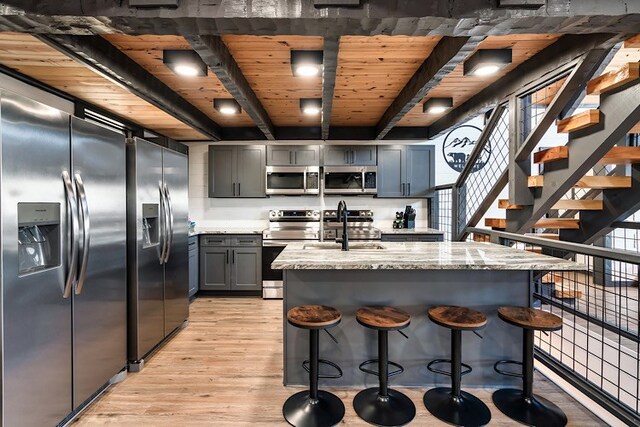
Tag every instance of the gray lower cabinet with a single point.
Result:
(193, 265)
(237, 171)
(427, 237)
(406, 171)
(230, 263)
(341, 155)
(293, 155)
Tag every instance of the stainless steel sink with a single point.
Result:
(352, 246)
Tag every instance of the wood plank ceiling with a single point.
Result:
(265, 62)
(28, 55)
(461, 87)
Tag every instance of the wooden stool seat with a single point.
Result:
(313, 316)
(528, 318)
(453, 317)
(383, 318)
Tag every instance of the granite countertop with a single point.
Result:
(417, 230)
(416, 256)
(231, 230)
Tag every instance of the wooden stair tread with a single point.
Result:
(579, 121)
(632, 42)
(621, 156)
(635, 129)
(567, 294)
(551, 154)
(580, 205)
(481, 238)
(595, 182)
(550, 236)
(535, 250)
(559, 223)
(613, 79)
(504, 204)
(552, 278)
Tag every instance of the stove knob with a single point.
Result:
(308, 213)
(369, 213)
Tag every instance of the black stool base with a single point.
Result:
(394, 410)
(535, 411)
(467, 410)
(300, 411)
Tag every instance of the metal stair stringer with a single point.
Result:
(621, 111)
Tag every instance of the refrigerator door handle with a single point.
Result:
(86, 232)
(163, 224)
(170, 218)
(72, 204)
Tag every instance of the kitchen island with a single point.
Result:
(411, 276)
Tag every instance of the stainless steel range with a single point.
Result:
(359, 224)
(285, 226)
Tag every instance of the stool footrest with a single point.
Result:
(499, 363)
(363, 367)
(338, 374)
(430, 367)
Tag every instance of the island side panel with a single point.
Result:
(413, 291)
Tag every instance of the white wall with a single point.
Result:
(254, 212)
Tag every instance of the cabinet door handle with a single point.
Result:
(239, 192)
(234, 256)
(226, 256)
(290, 157)
(353, 157)
(295, 158)
(346, 156)
(234, 189)
(408, 189)
(403, 189)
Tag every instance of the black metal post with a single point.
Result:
(527, 363)
(456, 362)
(383, 362)
(314, 339)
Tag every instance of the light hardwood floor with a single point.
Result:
(225, 369)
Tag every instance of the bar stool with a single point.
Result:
(381, 405)
(451, 404)
(313, 407)
(523, 405)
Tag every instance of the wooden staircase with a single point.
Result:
(584, 121)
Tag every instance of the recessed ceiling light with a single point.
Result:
(227, 106)
(311, 106)
(485, 62)
(184, 62)
(437, 105)
(306, 63)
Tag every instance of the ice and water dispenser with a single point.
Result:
(150, 224)
(38, 236)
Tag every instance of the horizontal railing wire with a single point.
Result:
(599, 343)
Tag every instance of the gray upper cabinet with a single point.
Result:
(293, 155)
(340, 155)
(237, 171)
(405, 170)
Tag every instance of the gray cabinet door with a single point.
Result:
(251, 171)
(215, 271)
(222, 162)
(419, 170)
(364, 155)
(246, 265)
(306, 155)
(390, 171)
(337, 155)
(279, 155)
(193, 265)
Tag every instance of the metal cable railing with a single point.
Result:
(598, 347)
(441, 205)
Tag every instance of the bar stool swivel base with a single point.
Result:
(301, 410)
(394, 409)
(533, 411)
(464, 410)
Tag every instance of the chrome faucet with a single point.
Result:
(342, 213)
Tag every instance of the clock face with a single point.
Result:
(458, 145)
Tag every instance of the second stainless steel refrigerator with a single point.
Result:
(158, 276)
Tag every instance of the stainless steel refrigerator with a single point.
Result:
(63, 266)
(158, 275)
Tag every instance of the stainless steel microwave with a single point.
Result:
(350, 179)
(293, 180)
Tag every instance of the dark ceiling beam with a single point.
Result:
(330, 66)
(216, 55)
(107, 60)
(548, 61)
(279, 17)
(446, 55)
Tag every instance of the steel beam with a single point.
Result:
(621, 111)
(216, 55)
(546, 62)
(276, 17)
(446, 55)
(330, 65)
(102, 57)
